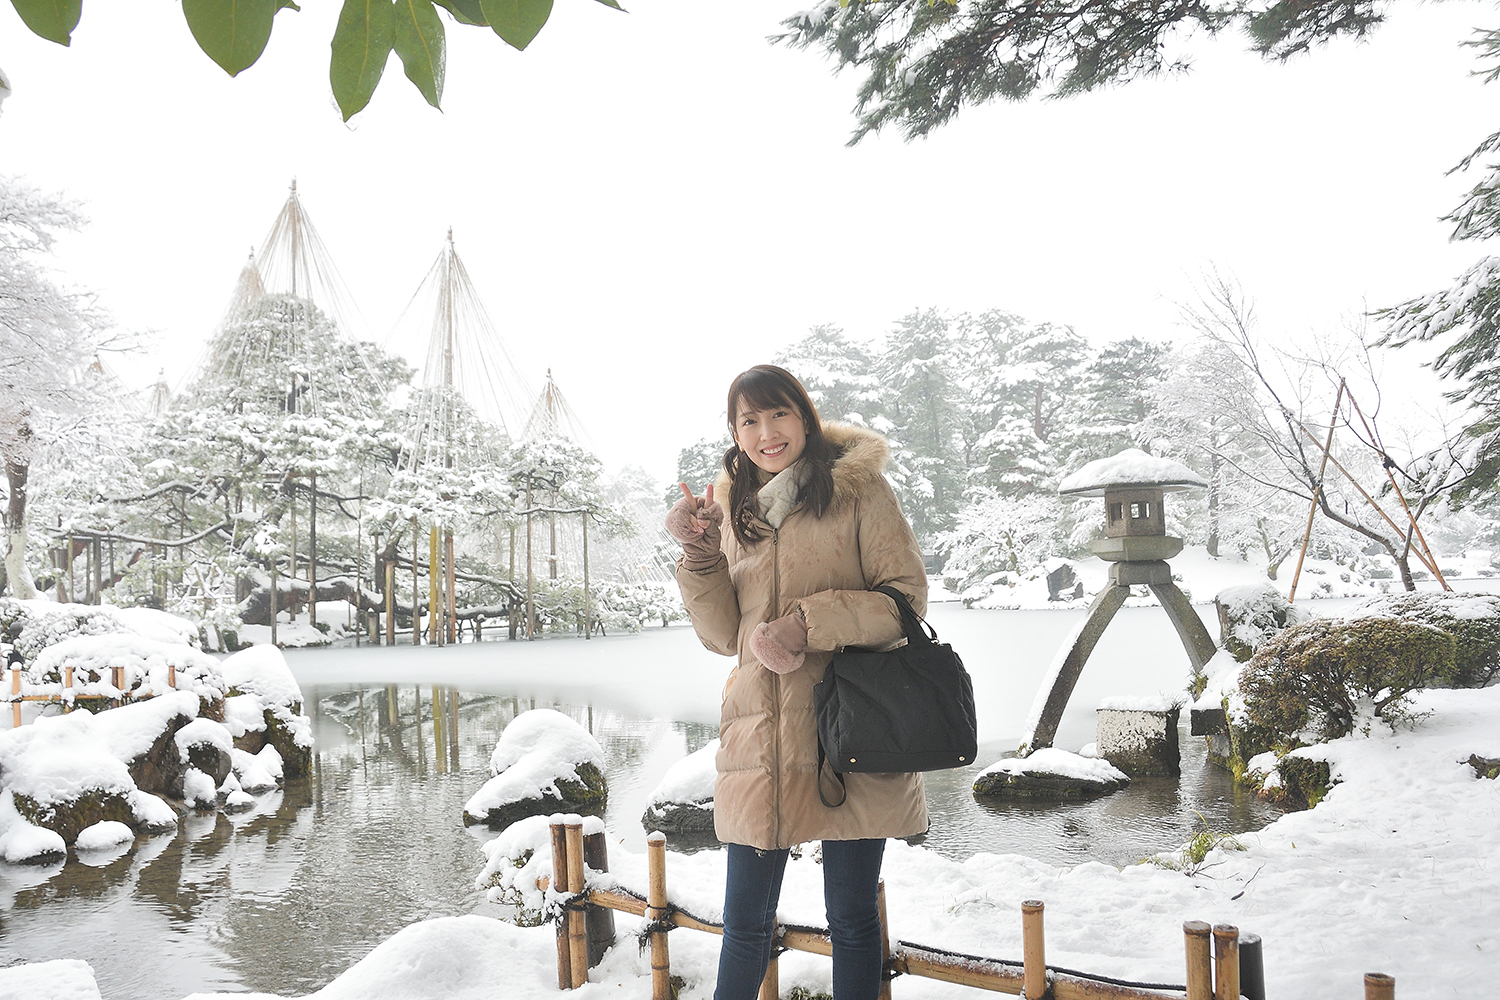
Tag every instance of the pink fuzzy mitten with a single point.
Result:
(694, 521)
(780, 645)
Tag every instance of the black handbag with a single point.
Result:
(906, 709)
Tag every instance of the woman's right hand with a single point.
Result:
(694, 521)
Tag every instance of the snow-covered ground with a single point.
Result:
(1397, 870)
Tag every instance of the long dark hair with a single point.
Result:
(766, 387)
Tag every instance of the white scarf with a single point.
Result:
(778, 498)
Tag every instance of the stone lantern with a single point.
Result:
(1136, 544)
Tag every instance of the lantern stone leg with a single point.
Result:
(1046, 711)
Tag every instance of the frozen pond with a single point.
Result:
(286, 897)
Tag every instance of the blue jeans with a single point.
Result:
(851, 873)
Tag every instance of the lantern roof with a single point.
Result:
(1131, 468)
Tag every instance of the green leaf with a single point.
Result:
(54, 20)
(232, 32)
(517, 21)
(361, 45)
(419, 42)
(465, 11)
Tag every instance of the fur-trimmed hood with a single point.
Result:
(863, 458)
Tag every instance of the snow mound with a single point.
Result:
(522, 854)
(690, 780)
(102, 836)
(1131, 467)
(158, 625)
(537, 750)
(1140, 703)
(59, 759)
(1051, 760)
(262, 671)
(60, 979)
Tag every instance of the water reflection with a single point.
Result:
(286, 896)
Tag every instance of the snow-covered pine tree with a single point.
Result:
(922, 397)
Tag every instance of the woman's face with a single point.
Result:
(773, 438)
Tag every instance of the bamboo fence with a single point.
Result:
(1212, 952)
(117, 678)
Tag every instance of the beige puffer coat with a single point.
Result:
(766, 793)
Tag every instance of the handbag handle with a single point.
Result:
(915, 626)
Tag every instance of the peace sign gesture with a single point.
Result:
(694, 521)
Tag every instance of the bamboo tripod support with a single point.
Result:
(1212, 953)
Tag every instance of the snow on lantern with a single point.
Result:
(1134, 486)
(1136, 544)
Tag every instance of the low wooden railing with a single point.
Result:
(1212, 953)
(116, 677)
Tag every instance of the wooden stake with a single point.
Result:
(600, 920)
(434, 599)
(1226, 962)
(452, 589)
(312, 553)
(656, 898)
(416, 594)
(770, 983)
(390, 603)
(578, 940)
(885, 941)
(15, 694)
(1317, 488)
(1199, 963)
(1379, 986)
(560, 878)
(1033, 953)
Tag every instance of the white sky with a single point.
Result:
(650, 202)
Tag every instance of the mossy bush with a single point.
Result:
(1308, 683)
(1472, 619)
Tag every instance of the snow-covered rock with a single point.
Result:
(682, 804)
(264, 707)
(59, 979)
(1049, 773)
(544, 763)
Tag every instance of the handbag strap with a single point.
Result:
(915, 626)
(836, 777)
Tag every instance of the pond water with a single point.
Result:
(285, 897)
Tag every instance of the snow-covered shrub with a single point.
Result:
(1316, 681)
(1472, 619)
(32, 626)
(999, 538)
(544, 763)
(517, 858)
(630, 607)
(1251, 614)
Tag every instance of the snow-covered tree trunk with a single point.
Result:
(16, 447)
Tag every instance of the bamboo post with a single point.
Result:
(1199, 963)
(1379, 986)
(578, 941)
(15, 697)
(560, 879)
(885, 941)
(1317, 488)
(434, 601)
(1033, 953)
(390, 603)
(1226, 962)
(171, 676)
(656, 909)
(416, 595)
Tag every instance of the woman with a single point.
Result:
(813, 527)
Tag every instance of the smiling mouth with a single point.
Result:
(773, 452)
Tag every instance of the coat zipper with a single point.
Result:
(775, 677)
